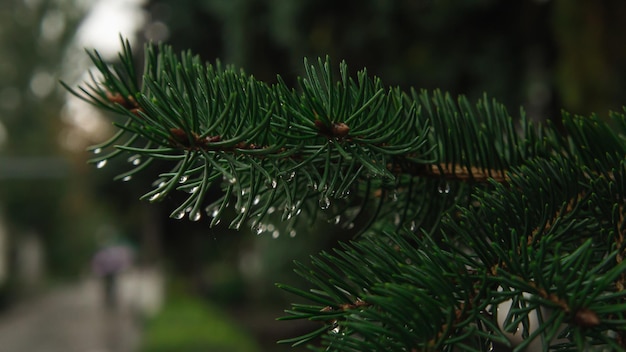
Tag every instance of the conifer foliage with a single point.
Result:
(461, 208)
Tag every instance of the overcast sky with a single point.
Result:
(106, 20)
(101, 29)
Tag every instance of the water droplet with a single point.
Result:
(194, 190)
(135, 159)
(271, 227)
(215, 212)
(290, 176)
(161, 184)
(243, 210)
(292, 233)
(127, 178)
(245, 191)
(97, 151)
(275, 234)
(232, 179)
(258, 229)
(256, 200)
(238, 224)
(154, 197)
(183, 179)
(350, 226)
(271, 209)
(195, 216)
(335, 220)
(336, 329)
(178, 215)
(274, 183)
(324, 202)
(101, 163)
(444, 188)
(413, 226)
(314, 186)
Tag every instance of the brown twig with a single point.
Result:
(533, 238)
(458, 172)
(583, 316)
(335, 130)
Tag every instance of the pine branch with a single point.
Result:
(466, 207)
(568, 267)
(319, 143)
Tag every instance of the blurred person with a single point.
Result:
(107, 263)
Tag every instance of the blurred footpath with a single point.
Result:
(75, 318)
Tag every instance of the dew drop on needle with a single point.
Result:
(324, 202)
(195, 216)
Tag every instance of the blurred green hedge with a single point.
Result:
(189, 324)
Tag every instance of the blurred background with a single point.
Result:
(184, 286)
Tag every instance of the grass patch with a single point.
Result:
(190, 324)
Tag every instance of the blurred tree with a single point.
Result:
(544, 54)
(589, 71)
(471, 47)
(34, 172)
